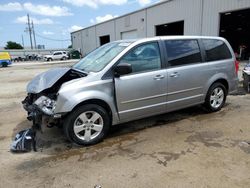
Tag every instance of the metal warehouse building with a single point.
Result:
(226, 18)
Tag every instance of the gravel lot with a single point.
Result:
(187, 148)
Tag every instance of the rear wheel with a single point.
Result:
(87, 125)
(216, 97)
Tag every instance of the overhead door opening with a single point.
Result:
(176, 28)
(235, 27)
(104, 39)
(129, 34)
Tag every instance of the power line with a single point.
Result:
(47, 38)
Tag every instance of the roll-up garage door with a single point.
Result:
(129, 35)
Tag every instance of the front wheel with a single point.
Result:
(87, 125)
(216, 97)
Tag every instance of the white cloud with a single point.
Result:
(48, 33)
(95, 3)
(41, 9)
(144, 2)
(71, 29)
(11, 7)
(100, 19)
(47, 10)
(23, 20)
(74, 28)
(92, 21)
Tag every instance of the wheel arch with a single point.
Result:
(213, 107)
(222, 81)
(99, 102)
(220, 78)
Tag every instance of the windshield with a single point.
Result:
(99, 58)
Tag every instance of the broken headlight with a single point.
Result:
(46, 105)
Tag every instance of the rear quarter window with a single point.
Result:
(216, 50)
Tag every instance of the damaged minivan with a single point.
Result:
(132, 79)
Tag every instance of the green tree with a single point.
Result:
(13, 45)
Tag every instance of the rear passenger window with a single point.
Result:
(182, 52)
(216, 50)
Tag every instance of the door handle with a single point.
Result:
(159, 77)
(174, 75)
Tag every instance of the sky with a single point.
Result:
(55, 19)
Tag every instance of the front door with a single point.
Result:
(143, 92)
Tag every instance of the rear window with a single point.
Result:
(216, 50)
(182, 52)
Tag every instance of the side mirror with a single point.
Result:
(122, 69)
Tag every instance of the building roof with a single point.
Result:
(142, 9)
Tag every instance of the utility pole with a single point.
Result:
(22, 42)
(34, 35)
(23, 46)
(30, 32)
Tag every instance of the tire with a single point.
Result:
(4, 64)
(49, 59)
(64, 58)
(87, 124)
(216, 97)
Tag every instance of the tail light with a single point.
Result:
(237, 64)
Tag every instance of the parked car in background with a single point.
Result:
(57, 55)
(132, 79)
(5, 59)
(74, 54)
(15, 58)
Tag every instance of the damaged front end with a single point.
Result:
(40, 110)
(40, 102)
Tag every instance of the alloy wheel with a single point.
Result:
(88, 125)
(217, 97)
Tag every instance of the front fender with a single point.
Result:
(66, 104)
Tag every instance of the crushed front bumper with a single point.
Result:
(37, 116)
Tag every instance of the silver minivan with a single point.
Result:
(132, 79)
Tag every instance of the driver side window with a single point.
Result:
(143, 58)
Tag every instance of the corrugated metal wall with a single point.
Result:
(173, 11)
(201, 17)
(135, 21)
(212, 10)
(107, 28)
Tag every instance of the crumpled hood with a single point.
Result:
(46, 80)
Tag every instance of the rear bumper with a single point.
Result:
(233, 86)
